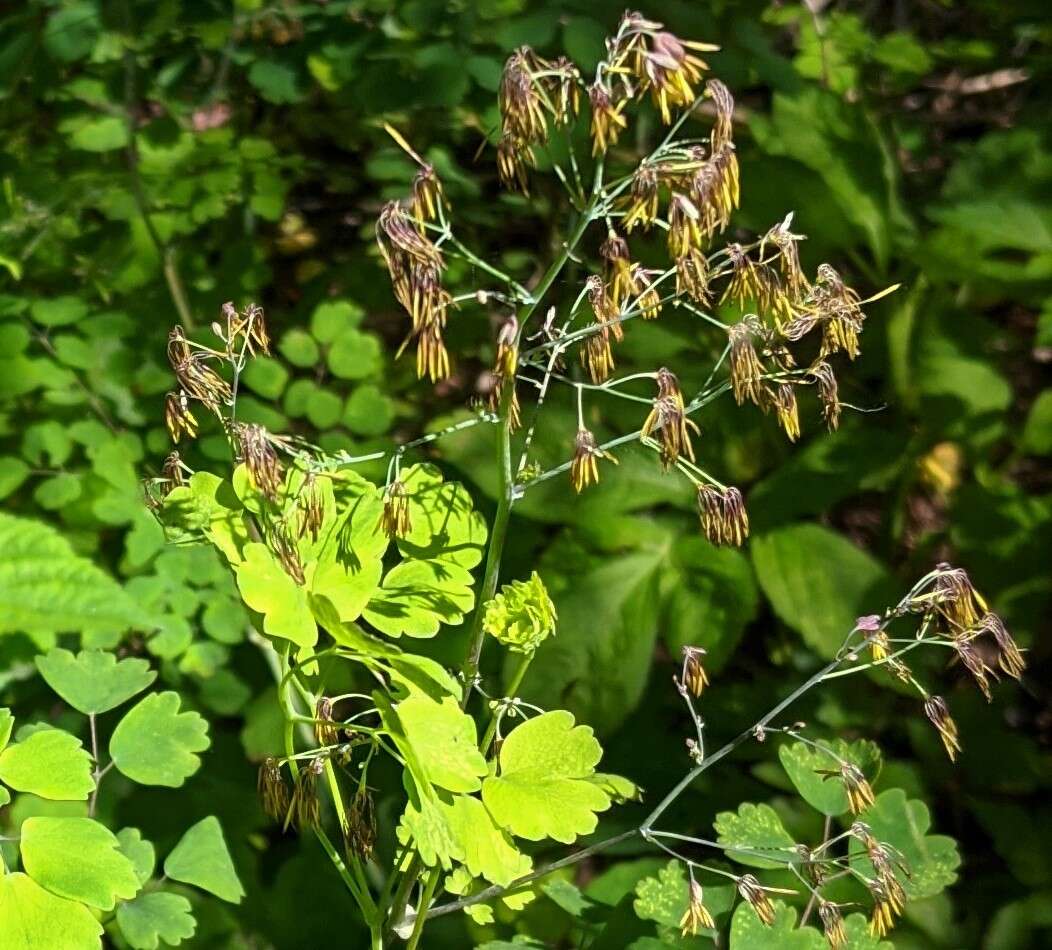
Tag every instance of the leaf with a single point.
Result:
(50, 763)
(541, 790)
(33, 919)
(818, 582)
(7, 723)
(932, 860)
(93, 681)
(46, 588)
(748, 932)
(445, 741)
(156, 918)
(444, 524)
(77, 858)
(268, 590)
(201, 858)
(802, 763)
(751, 832)
(139, 851)
(664, 898)
(155, 744)
(417, 597)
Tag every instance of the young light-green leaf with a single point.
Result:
(201, 858)
(445, 741)
(155, 744)
(932, 860)
(77, 858)
(154, 918)
(804, 762)
(93, 681)
(542, 789)
(752, 832)
(50, 763)
(32, 918)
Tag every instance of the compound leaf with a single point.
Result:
(77, 858)
(155, 744)
(93, 681)
(542, 789)
(201, 858)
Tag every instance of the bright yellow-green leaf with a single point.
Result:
(542, 788)
(34, 919)
(50, 763)
(77, 858)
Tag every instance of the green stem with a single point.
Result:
(421, 911)
(513, 686)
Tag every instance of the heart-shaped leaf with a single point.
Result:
(155, 744)
(93, 681)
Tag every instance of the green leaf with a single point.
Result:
(1037, 433)
(802, 762)
(139, 851)
(932, 860)
(46, 588)
(818, 582)
(7, 723)
(486, 850)
(93, 681)
(201, 858)
(542, 789)
(445, 741)
(417, 597)
(444, 524)
(34, 919)
(156, 918)
(664, 898)
(753, 831)
(748, 932)
(155, 744)
(267, 589)
(77, 858)
(50, 763)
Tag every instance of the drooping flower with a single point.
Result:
(696, 917)
(584, 467)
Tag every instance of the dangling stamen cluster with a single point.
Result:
(197, 379)
(832, 924)
(305, 808)
(310, 505)
(274, 793)
(395, 517)
(828, 393)
(531, 89)
(753, 893)
(326, 730)
(746, 369)
(505, 366)
(696, 917)
(938, 714)
(724, 519)
(255, 448)
(660, 61)
(584, 467)
(693, 676)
